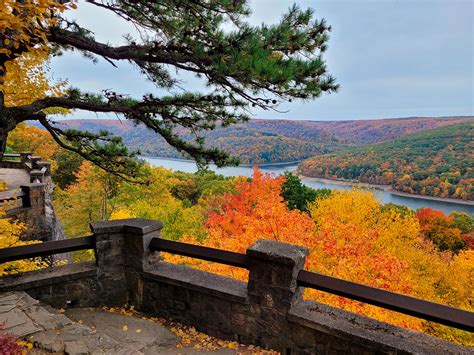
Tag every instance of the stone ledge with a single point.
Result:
(200, 281)
(282, 253)
(131, 225)
(368, 332)
(48, 276)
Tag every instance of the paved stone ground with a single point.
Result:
(14, 178)
(85, 331)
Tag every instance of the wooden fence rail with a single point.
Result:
(431, 311)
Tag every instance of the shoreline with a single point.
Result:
(346, 183)
(387, 188)
(241, 165)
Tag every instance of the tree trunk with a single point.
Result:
(7, 124)
(3, 120)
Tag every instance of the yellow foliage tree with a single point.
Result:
(357, 240)
(155, 201)
(26, 21)
(27, 79)
(350, 237)
(32, 139)
(24, 52)
(85, 201)
(10, 232)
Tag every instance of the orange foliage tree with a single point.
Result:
(255, 211)
(350, 236)
(437, 227)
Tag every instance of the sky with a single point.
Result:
(392, 58)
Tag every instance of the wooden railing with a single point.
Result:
(14, 157)
(431, 311)
(412, 306)
(199, 252)
(46, 249)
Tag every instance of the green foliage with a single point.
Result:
(298, 195)
(67, 165)
(189, 188)
(244, 67)
(403, 211)
(462, 221)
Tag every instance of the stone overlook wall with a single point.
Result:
(29, 196)
(268, 310)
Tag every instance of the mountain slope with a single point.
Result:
(437, 162)
(374, 131)
(271, 141)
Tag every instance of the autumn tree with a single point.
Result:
(242, 66)
(256, 210)
(33, 140)
(439, 228)
(88, 200)
(350, 236)
(462, 221)
(24, 59)
(64, 163)
(10, 232)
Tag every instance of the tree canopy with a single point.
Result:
(241, 65)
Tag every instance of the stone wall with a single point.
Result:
(72, 285)
(34, 208)
(33, 213)
(267, 311)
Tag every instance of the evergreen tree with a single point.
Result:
(244, 66)
(298, 195)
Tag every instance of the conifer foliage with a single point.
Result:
(242, 66)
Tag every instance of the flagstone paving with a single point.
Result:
(86, 331)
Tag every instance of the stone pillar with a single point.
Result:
(272, 288)
(35, 197)
(33, 213)
(122, 255)
(36, 176)
(34, 161)
(25, 157)
(46, 165)
(137, 234)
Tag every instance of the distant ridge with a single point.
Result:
(273, 140)
(438, 162)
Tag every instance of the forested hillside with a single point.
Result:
(251, 143)
(436, 162)
(375, 131)
(273, 141)
(389, 246)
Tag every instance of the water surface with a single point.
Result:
(383, 196)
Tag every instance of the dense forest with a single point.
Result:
(436, 162)
(272, 141)
(351, 235)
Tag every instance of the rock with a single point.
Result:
(74, 339)
(131, 333)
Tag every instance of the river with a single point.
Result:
(383, 196)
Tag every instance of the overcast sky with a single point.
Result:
(392, 58)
